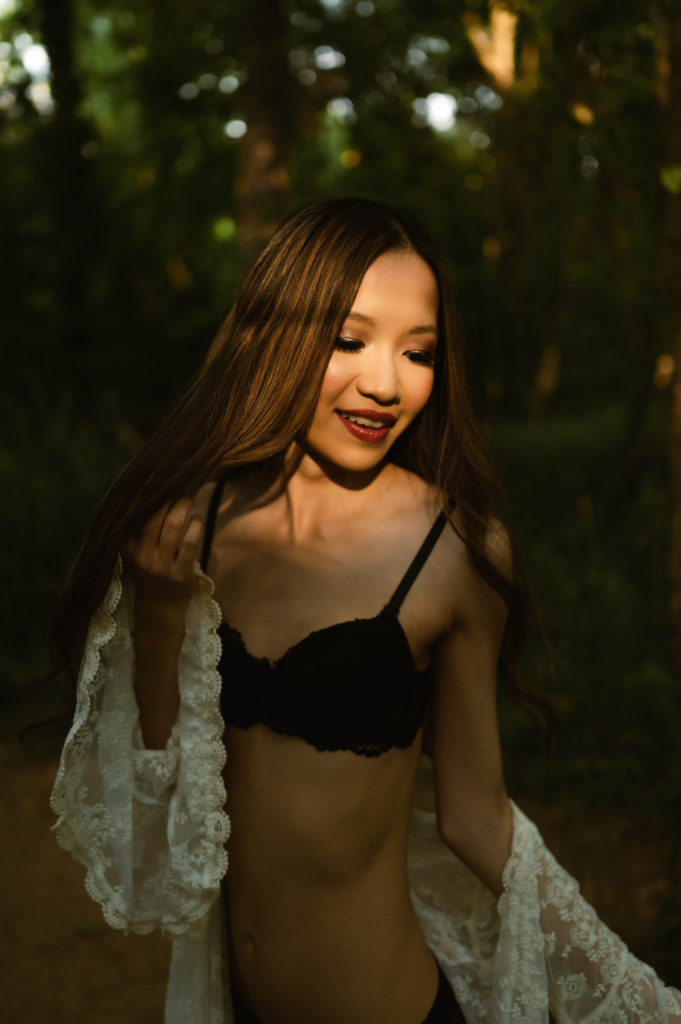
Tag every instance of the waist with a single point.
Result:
(264, 891)
(317, 818)
(332, 955)
(317, 891)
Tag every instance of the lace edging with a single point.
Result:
(101, 631)
(204, 761)
(524, 836)
(209, 760)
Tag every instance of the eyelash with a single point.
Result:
(352, 345)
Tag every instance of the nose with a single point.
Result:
(379, 378)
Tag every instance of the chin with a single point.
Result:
(349, 462)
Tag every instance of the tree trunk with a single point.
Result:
(262, 181)
(68, 181)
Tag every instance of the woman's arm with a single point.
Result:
(551, 949)
(160, 564)
(147, 822)
(475, 817)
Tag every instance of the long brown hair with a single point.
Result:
(257, 390)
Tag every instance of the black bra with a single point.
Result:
(350, 686)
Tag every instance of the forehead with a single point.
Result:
(399, 283)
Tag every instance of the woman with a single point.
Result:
(333, 412)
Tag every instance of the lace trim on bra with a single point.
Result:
(260, 706)
(273, 663)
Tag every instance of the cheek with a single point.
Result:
(420, 390)
(333, 382)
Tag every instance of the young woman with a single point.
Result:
(302, 570)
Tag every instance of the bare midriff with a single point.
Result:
(320, 921)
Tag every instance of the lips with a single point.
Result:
(370, 414)
(363, 424)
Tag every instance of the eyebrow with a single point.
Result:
(362, 318)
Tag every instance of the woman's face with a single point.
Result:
(381, 372)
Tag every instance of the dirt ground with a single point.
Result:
(62, 964)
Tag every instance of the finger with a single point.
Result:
(190, 545)
(173, 527)
(151, 531)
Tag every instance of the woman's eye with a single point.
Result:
(354, 345)
(424, 358)
(348, 344)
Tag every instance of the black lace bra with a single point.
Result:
(350, 686)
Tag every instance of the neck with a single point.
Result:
(321, 495)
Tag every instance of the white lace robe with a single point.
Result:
(151, 829)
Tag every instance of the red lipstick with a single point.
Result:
(371, 414)
(363, 433)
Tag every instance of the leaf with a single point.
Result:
(670, 177)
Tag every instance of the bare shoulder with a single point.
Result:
(478, 603)
(442, 579)
(468, 596)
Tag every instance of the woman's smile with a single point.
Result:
(366, 424)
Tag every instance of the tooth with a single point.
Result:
(364, 421)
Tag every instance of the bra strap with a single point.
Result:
(210, 522)
(414, 569)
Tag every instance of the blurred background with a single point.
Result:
(146, 151)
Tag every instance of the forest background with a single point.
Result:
(147, 150)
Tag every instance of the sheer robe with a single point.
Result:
(151, 829)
